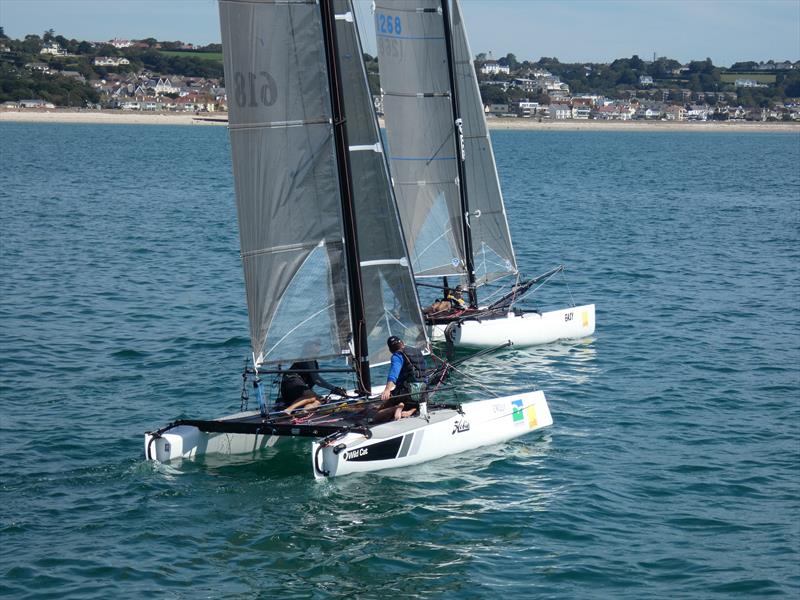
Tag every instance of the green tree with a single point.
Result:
(510, 61)
(32, 44)
(744, 66)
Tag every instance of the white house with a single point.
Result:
(110, 61)
(527, 109)
(526, 85)
(697, 112)
(645, 80)
(675, 112)
(163, 86)
(492, 67)
(38, 66)
(559, 112)
(35, 104)
(581, 111)
(54, 49)
(749, 83)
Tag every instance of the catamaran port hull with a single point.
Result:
(395, 444)
(522, 329)
(186, 441)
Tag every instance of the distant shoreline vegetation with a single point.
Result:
(149, 74)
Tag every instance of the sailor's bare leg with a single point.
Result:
(307, 403)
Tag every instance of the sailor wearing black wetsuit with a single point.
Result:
(296, 385)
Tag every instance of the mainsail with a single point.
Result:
(420, 118)
(289, 196)
(491, 239)
(419, 127)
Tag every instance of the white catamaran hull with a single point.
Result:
(186, 441)
(395, 444)
(526, 329)
(415, 440)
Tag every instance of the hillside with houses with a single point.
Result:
(626, 89)
(50, 71)
(144, 75)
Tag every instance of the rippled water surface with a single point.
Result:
(672, 469)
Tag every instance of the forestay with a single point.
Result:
(419, 127)
(390, 296)
(491, 240)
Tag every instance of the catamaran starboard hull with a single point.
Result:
(415, 440)
(395, 444)
(525, 329)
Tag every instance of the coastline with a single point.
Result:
(494, 123)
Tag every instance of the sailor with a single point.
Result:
(452, 300)
(455, 298)
(405, 384)
(297, 385)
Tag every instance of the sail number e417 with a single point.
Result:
(388, 24)
(254, 89)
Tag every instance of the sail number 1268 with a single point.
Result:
(254, 89)
(387, 24)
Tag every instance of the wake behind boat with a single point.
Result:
(445, 178)
(326, 268)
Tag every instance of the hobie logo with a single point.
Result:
(585, 317)
(517, 413)
(459, 426)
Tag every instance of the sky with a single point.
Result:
(726, 31)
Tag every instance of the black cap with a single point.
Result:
(393, 341)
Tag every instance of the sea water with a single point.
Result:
(672, 468)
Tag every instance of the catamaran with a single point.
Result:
(446, 182)
(325, 262)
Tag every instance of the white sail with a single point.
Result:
(419, 127)
(284, 165)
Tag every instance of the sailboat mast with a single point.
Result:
(342, 148)
(459, 136)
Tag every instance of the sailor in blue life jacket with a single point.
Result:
(405, 384)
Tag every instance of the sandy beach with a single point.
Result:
(153, 118)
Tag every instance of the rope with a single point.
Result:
(460, 372)
(569, 291)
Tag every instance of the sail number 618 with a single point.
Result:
(253, 89)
